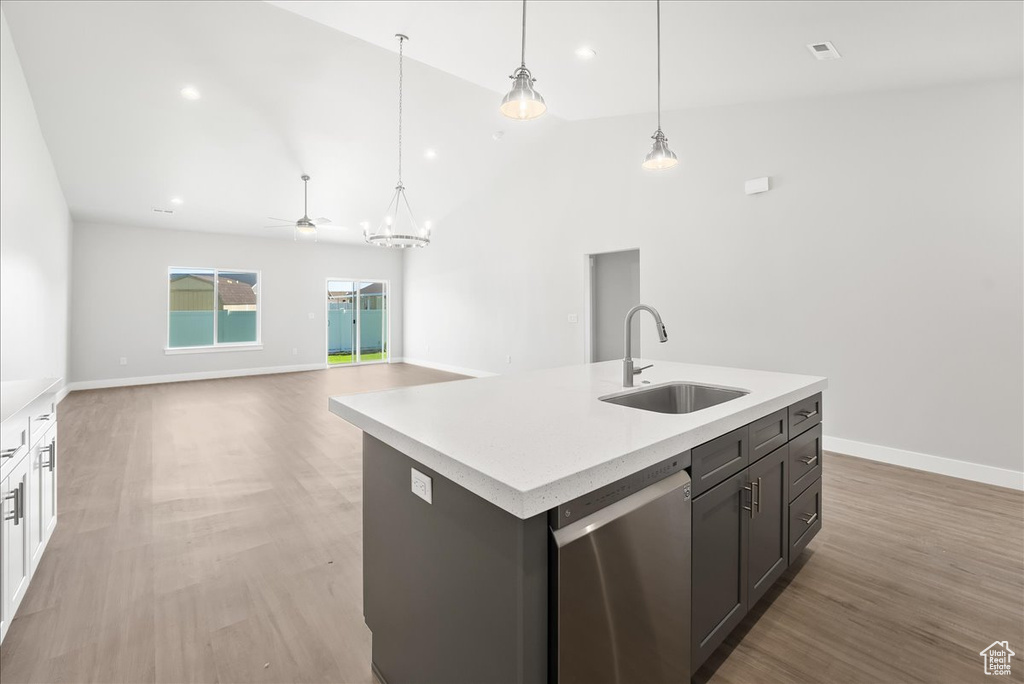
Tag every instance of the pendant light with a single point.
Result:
(398, 227)
(523, 102)
(660, 157)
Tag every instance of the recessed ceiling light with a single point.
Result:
(190, 93)
(430, 154)
(584, 52)
(175, 200)
(498, 135)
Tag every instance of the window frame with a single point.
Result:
(216, 346)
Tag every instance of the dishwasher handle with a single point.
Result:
(623, 507)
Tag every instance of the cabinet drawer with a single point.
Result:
(804, 519)
(13, 442)
(804, 460)
(768, 434)
(714, 461)
(42, 416)
(804, 414)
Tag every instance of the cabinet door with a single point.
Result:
(4, 619)
(768, 546)
(43, 516)
(17, 562)
(719, 576)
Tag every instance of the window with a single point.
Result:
(210, 308)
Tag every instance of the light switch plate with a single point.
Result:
(573, 318)
(422, 486)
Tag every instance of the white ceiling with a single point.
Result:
(714, 53)
(283, 95)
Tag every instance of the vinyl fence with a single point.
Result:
(195, 328)
(340, 331)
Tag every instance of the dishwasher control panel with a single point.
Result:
(582, 506)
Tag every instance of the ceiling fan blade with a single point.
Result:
(282, 225)
(289, 221)
(322, 219)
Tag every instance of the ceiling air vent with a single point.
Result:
(163, 211)
(824, 51)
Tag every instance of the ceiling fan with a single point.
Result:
(304, 225)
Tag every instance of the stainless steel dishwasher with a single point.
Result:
(621, 589)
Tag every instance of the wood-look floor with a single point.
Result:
(210, 532)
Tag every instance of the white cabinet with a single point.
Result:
(17, 556)
(28, 486)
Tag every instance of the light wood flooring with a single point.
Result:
(211, 532)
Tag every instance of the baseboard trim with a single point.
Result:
(187, 377)
(62, 392)
(1000, 477)
(472, 372)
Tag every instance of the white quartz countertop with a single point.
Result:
(17, 394)
(528, 442)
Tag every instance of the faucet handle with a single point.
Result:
(641, 369)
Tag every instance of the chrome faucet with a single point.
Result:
(627, 363)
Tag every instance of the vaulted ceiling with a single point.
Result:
(311, 87)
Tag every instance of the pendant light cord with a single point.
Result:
(523, 54)
(659, 64)
(401, 43)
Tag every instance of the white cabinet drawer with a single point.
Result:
(13, 442)
(42, 415)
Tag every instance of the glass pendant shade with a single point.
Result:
(398, 228)
(660, 156)
(523, 102)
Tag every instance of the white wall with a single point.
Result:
(887, 256)
(35, 236)
(119, 299)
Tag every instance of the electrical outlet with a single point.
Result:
(124, 360)
(295, 351)
(312, 315)
(422, 486)
(508, 359)
(428, 347)
(574, 318)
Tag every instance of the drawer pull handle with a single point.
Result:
(810, 460)
(9, 453)
(18, 495)
(755, 499)
(807, 413)
(810, 518)
(45, 417)
(50, 450)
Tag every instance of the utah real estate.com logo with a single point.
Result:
(997, 658)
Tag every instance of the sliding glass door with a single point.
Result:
(357, 321)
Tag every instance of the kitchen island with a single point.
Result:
(476, 494)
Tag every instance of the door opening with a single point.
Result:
(357, 322)
(614, 290)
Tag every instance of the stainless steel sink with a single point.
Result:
(674, 397)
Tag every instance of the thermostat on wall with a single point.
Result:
(756, 185)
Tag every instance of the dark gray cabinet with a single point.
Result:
(757, 504)
(719, 564)
(768, 543)
(804, 519)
